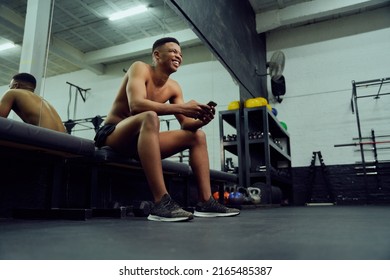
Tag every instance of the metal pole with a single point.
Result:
(378, 181)
(372, 82)
(362, 143)
(354, 93)
(376, 96)
(376, 136)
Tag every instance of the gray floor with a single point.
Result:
(319, 233)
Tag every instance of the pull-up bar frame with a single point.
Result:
(81, 91)
(354, 107)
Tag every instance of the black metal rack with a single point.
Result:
(231, 143)
(262, 148)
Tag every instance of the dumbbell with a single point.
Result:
(260, 168)
(142, 208)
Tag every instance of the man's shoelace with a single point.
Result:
(170, 205)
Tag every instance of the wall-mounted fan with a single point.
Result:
(276, 65)
(275, 68)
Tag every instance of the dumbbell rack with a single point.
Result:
(262, 149)
(231, 143)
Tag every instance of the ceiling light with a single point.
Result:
(129, 12)
(7, 46)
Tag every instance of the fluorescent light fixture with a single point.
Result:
(129, 12)
(7, 46)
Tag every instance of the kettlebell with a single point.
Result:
(255, 194)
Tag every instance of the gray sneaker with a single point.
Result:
(213, 208)
(167, 210)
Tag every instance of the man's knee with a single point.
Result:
(149, 115)
(150, 119)
(200, 136)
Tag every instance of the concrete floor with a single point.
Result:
(284, 233)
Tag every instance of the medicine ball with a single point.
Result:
(284, 125)
(236, 198)
(234, 105)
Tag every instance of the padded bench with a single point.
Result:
(16, 134)
(23, 142)
(18, 139)
(221, 176)
(106, 155)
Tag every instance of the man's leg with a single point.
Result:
(140, 134)
(146, 127)
(172, 142)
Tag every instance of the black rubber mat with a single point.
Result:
(302, 233)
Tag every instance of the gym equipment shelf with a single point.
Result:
(229, 121)
(268, 154)
(262, 148)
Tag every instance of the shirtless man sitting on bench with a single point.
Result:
(30, 107)
(132, 127)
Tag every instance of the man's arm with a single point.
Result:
(193, 123)
(6, 103)
(137, 77)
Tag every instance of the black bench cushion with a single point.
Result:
(107, 155)
(222, 176)
(16, 132)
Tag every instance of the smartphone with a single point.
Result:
(212, 104)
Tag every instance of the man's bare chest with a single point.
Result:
(157, 94)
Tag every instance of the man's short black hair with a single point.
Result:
(164, 40)
(25, 77)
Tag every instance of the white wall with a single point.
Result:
(321, 61)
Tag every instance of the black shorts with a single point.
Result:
(102, 134)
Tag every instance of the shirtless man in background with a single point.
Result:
(30, 107)
(132, 127)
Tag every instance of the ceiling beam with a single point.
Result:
(12, 22)
(137, 48)
(307, 11)
(73, 56)
(12, 17)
